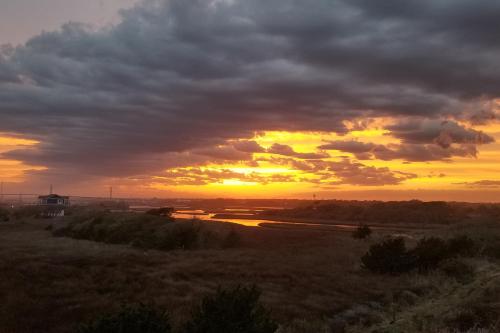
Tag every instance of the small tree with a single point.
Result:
(362, 231)
(235, 310)
(131, 319)
(388, 257)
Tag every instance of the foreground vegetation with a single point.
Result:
(146, 231)
(94, 271)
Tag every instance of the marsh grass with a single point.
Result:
(50, 284)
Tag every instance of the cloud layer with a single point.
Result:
(177, 82)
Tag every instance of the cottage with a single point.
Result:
(53, 204)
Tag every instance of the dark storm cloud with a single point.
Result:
(442, 133)
(486, 183)
(286, 150)
(182, 75)
(248, 146)
(407, 151)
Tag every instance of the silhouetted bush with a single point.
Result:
(232, 240)
(458, 269)
(480, 316)
(429, 253)
(492, 249)
(362, 231)
(184, 236)
(462, 246)
(133, 319)
(4, 215)
(27, 212)
(164, 211)
(235, 310)
(390, 256)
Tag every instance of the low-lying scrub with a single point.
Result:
(391, 255)
(233, 310)
(362, 231)
(388, 257)
(458, 269)
(131, 319)
(146, 231)
(4, 215)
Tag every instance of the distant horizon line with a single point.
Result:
(3, 195)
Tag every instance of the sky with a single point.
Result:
(339, 99)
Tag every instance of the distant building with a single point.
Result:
(53, 204)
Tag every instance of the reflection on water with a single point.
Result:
(201, 215)
(189, 215)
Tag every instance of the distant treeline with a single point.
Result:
(413, 211)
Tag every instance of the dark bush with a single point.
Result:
(4, 215)
(132, 319)
(145, 231)
(429, 253)
(232, 240)
(235, 310)
(462, 246)
(492, 249)
(458, 270)
(362, 231)
(164, 211)
(27, 212)
(183, 236)
(475, 317)
(390, 256)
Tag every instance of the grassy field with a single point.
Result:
(311, 279)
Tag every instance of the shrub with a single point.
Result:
(235, 310)
(185, 236)
(232, 240)
(458, 270)
(492, 249)
(389, 256)
(132, 319)
(164, 211)
(474, 317)
(27, 212)
(462, 246)
(362, 231)
(429, 253)
(4, 215)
